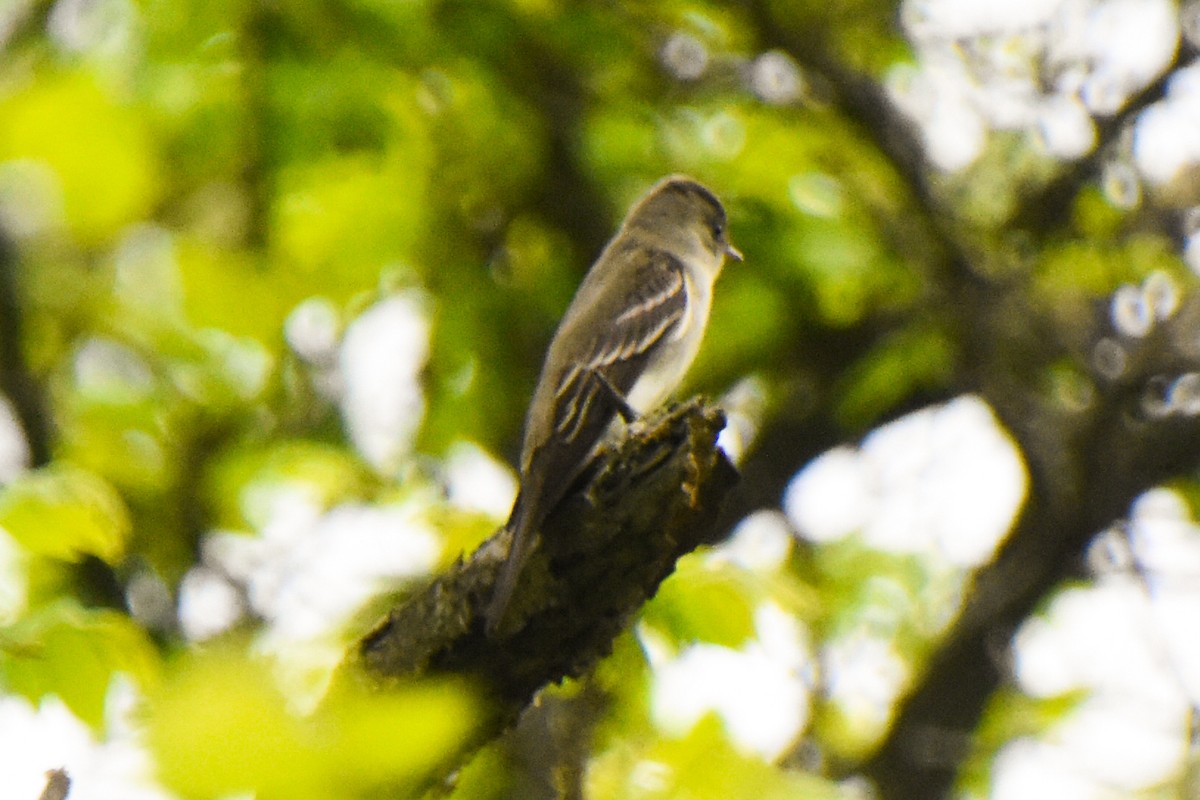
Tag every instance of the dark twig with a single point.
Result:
(16, 380)
(58, 785)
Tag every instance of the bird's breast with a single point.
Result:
(670, 361)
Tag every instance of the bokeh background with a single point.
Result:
(275, 283)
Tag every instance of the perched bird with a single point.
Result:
(623, 345)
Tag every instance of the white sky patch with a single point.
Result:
(105, 28)
(351, 554)
(34, 740)
(1127, 640)
(31, 201)
(1129, 633)
(955, 134)
(147, 277)
(209, 604)
(1167, 135)
(1175, 613)
(956, 18)
(684, 56)
(307, 572)
(382, 355)
(761, 542)
(864, 675)
(760, 691)
(1042, 68)
(1095, 637)
(108, 371)
(1029, 769)
(1066, 128)
(830, 498)
(1128, 42)
(245, 364)
(477, 482)
(651, 777)
(946, 480)
(14, 448)
(1166, 543)
(1105, 749)
(312, 330)
(776, 79)
(149, 599)
(1124, 745)
(744, 406)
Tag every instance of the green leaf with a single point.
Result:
(108, 177)
(65, 512)
(74, 653)
(221, 726)
(703, 603)
(921, 357)
(331, 473)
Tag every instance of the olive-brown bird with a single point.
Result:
(622, 347)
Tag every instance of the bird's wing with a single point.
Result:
(619, 351)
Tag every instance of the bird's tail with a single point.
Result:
(521, 524)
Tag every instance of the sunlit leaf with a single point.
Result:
(74, 653)
(329, 472)
(109, 176)
(243, 737)
(913, 360)
(703, 603)
(65, 512)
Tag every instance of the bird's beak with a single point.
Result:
(733, 252)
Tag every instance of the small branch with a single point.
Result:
(1046, 210)
(16, 381)
(604, 552)
(58, 785)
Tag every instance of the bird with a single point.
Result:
(623, 345)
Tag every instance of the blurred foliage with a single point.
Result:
(64, 513)
(363, 741)
(72, 652)
(1011, 715)
(700, 765)
(177, 177)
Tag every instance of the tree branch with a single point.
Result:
(1086, 467)
(1045, 211)
(604, 552)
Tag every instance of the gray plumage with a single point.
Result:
(624, 344)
